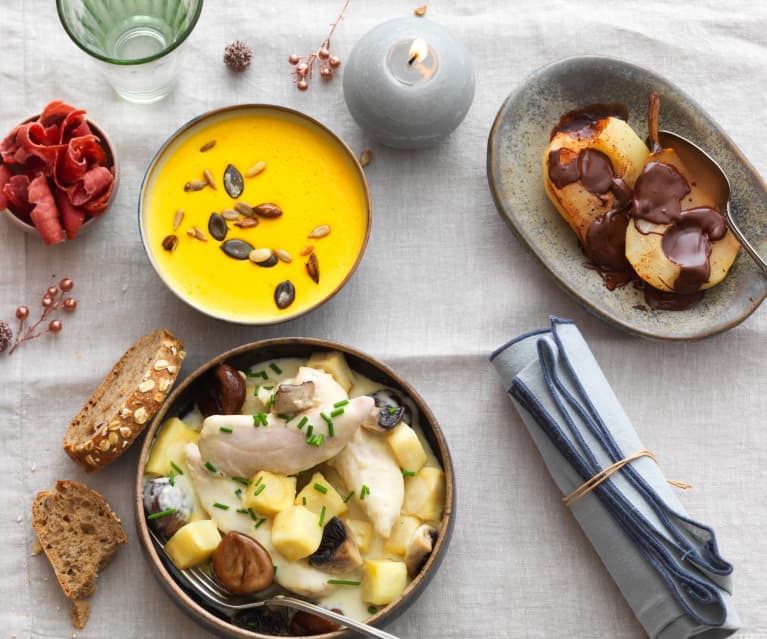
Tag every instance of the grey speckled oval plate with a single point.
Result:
(517, 140)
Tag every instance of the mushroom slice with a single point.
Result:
(293, 398)
(419, 548)
(338, 552)
(390, 410)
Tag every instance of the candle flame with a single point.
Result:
(419, 50)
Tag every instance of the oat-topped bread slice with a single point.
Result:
(125, 401)
(79, 534)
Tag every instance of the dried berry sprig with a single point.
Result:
(53, 300)
(326, 62)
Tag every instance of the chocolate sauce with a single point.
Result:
(658, 192)
(589, 121)
(606, 241)
(666, 301)
(562, 174)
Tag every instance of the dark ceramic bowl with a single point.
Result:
(182, 400)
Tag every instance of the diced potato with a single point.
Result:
(296, 532)
(401, 532)
(269, 493)
(425, 494)
(169, 446)
(193, 543)
(362, 531)
(316, 499)
(334, 363)
(383, 581)
(407, 448)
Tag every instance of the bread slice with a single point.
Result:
(125, 401)
(79, 534)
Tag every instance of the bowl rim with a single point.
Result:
(385, 613)
(128, 63)
(261, 107)
(108, 147)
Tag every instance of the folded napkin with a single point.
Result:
(666, 565)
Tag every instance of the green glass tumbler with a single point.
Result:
(136, 43)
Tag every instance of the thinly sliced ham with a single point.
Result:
(32, 144)
(45, 215)
(93, 185)
(72, 217)
(15, 191)
(80, 154)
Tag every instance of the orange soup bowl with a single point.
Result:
(254, 214)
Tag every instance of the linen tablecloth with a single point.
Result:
(443, 282)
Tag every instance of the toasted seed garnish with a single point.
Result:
(197, 234)
(366, 157)
(268, 263)
(233, 182)
(217, 226)
(247, 223)
(260, 255)
(238, 249)
(284, 294)
(254, 170)
(177, 219)
(207, 146)
(230, 214)
(306, 250)
(244, 209)
(313, 268)
(209, 179)
(169, 243)
(320, 231)
(420, 11)
(195, 185)
(268, 210)
(283, 255)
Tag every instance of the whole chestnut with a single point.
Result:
(160, 496)
(305, 623)
(241, 564)
(223, 393)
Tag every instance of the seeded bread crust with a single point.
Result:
(125, 401)
(79, 535)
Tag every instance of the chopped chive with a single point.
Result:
(263, 374)
(349, 496)
(302, 423)
(364, 491)
(343, 402)
(211, 467)
(286, 416)
(258, 481)
(225, 429)
(344, 582)
(320, 488)
(408, 473)
(304, 501)
(255, 390)
(268, 387)
(275, 368)
(259, 522)
(275, 571)
(309, 431)
(392, 409)
(316, 440)
(331, 430)
(252, 374)
(336, 412)
(259, 490)
(327, 419)
(322, 516)
(242, 511)
(172, 477)
(238, 493)
(241, 480)
(252, 514)
(260, 419)
(176, 467)
(270, 403)
(162, 513)
(221, 506)
(372, 610)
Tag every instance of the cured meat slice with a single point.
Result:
(55, 113)
(45, 215)
(74, 126)
(15, 191)
(81, 154)
(5, 176)
(94, 184)
(72, 217)
(32, 143)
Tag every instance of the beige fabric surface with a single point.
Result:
(442, 284)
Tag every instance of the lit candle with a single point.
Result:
(409, 83)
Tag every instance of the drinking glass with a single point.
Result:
(137, 43)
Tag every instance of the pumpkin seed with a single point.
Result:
(169, 243)
(254, 170)
(420, 11)
(306, 250)
(268, 210)
(259, 255)
(272, 261)
(244, 209)
(313, 268)
(195, 185)
(233, 182)
(320, 231)
(284, 294)
(230, 214)
(238, 249)
(177, 219)
(209, 179)
(283, 255)
(207, 146)
(366, 157)
(217, 226)
(247, 223)
(197, 234)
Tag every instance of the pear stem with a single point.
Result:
(653, 112)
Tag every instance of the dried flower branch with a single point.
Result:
(53, 300)
(325, 60)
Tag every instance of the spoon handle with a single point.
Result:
(744, 242)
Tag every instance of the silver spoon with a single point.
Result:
(708, 172)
